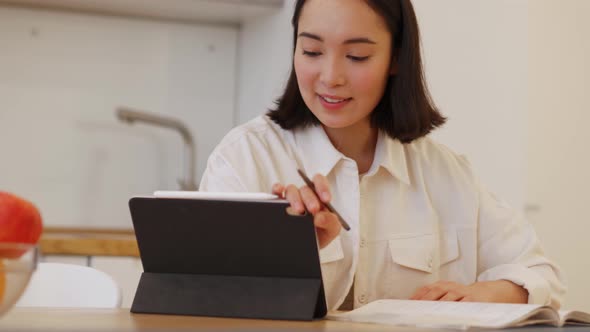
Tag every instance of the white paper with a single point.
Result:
(458, 315)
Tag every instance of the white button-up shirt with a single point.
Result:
(417, 216)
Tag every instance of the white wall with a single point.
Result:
(558, 177)
(61, 77)
(475, 56)
(265, 52)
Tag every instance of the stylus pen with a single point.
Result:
(328, 205)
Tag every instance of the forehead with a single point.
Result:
(342, 19)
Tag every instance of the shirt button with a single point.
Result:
(362, 298)
(363, 243)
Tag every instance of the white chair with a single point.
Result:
(69, 285)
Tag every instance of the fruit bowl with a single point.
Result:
(17, 263)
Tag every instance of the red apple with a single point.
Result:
(20, 222)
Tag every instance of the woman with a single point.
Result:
(356, 113)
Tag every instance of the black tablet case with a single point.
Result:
(246, 259)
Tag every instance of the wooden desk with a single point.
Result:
(80, 320)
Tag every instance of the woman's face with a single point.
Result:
(342, 60)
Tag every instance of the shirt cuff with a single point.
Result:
(537, 286)
(332, 252)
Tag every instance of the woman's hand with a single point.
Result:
(501, 291)
(326, 224)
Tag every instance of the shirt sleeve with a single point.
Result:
(510, 250)
(220, 176)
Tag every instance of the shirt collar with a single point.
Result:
(320, 156)
(391, 155)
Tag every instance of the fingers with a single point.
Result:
(440, 291)
(304, 198)
(326, 223)
(322, 186)
(278, 189)
(311, 201)
(452, 296)
(434, 294)
(294, 198)
(420, 292)
(327, 227)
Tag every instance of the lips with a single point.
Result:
(333, 99)
(333, 103)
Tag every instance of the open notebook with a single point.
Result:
(459, 315)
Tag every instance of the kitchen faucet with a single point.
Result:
(130, 116)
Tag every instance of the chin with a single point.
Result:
(335, 122)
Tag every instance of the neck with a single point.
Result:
(357, 142)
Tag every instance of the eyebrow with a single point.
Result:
(360, 40)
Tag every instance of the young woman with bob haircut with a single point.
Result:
(356, 113)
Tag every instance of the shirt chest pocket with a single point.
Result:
(424, 252)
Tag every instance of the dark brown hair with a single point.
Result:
(406, 110)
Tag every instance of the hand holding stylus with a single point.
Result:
(303, 199)
(326, 203)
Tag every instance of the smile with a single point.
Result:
(333, 103)
(333, 100)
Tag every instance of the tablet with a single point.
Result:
(234, 196)
(226, 257)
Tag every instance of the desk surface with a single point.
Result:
(50, 319)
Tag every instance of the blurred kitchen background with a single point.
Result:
(511, 75)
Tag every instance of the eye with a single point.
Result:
(311, 54)
(358, 58)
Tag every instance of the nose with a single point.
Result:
(332, 74)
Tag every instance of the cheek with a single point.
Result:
(369, 83)
(305, 74)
